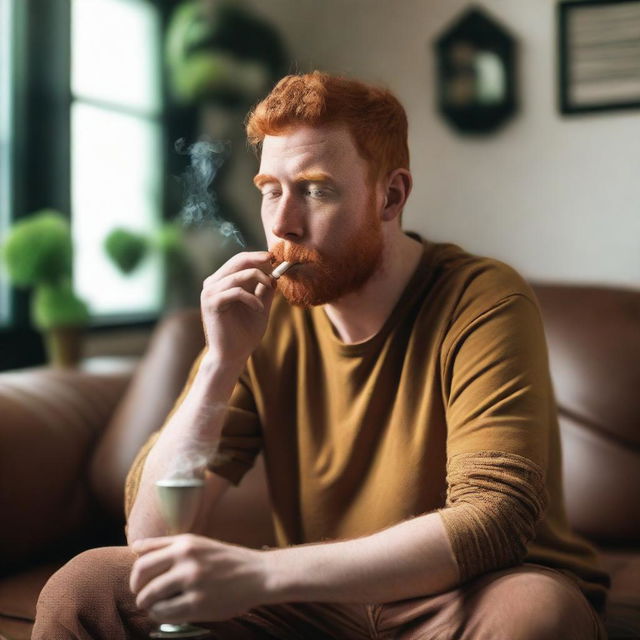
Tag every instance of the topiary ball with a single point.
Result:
(39, 249)
(55, 306)
(126, 249)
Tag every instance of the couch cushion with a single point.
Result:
(593, 335)
(601, 483)
(13, 629)
(19, 592)
(623, 608)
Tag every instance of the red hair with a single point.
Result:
(374, 116)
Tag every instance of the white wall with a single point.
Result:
(557, 197)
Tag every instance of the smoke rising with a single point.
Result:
(200, 204)
(187, 466)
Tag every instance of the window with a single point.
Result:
(116, 144)
(6, 93)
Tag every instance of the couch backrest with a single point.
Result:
(593, 334)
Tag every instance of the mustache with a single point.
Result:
(289, 252)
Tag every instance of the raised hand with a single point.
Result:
(235, 303)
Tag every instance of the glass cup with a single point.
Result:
(178, 501)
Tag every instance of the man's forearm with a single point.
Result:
(411, 559)
(193, 428)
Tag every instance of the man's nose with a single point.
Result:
(288, 222)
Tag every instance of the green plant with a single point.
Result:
(38, 249)
(38, 254)
(127, 249)
(57, 306)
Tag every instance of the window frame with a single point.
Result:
(6, 196)
(42, 99)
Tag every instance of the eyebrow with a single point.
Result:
(306, 176)
(313, 176)
(263, 178)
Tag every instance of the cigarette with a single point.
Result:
(281, 269)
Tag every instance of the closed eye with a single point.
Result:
(316, 191)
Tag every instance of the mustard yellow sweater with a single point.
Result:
(449, 407)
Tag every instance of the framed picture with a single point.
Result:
(599, 55)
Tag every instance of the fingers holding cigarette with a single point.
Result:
(248, 279)
(243, 279)
(236, 295)
(248, 260)
(249, 286)
(235, 304)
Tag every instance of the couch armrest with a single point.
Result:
(50, 421)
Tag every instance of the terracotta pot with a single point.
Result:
(64, 346)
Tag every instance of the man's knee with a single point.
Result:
(531, 603)
(90, 582)
(97, 571)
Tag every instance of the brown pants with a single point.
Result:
(89, 599)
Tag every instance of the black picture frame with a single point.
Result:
(599, 55)
(462, 52)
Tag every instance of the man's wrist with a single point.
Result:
(217, 377)
(214, 364)
(280, 577)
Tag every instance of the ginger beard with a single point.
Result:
(324, 277)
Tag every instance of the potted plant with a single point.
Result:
(38, 255)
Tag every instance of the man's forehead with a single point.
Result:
(305, 149)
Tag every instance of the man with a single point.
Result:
(400, 392)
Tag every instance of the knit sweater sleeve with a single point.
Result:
(500, 410)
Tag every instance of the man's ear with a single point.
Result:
(399, 185)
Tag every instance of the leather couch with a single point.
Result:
(67, 439)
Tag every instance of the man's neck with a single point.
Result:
(360, 315)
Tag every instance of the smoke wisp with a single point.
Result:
(200, 204)
(186, 466)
